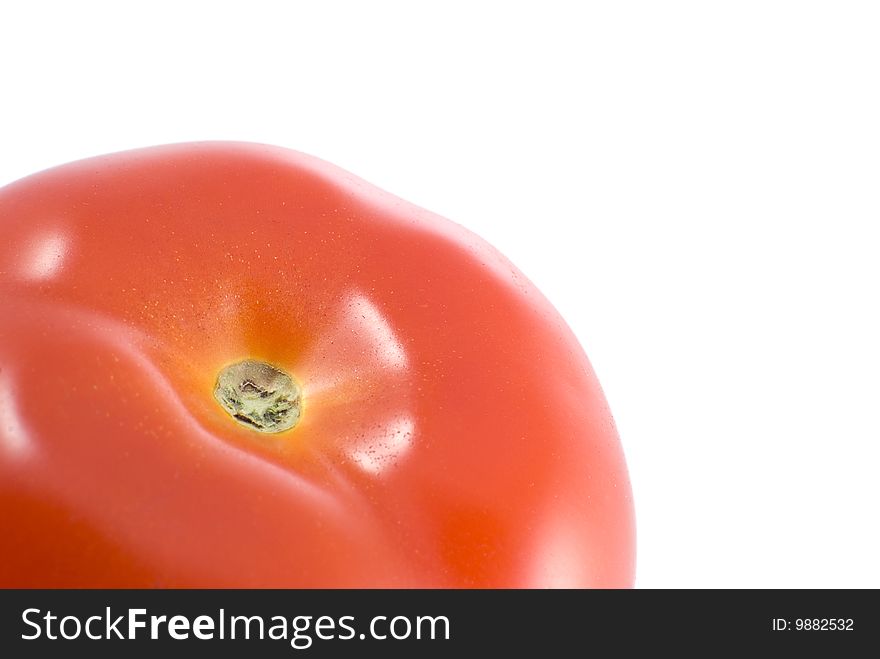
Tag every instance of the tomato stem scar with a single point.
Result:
(259, 396)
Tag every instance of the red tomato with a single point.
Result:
(451, 431)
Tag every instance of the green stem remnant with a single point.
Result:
(259, 395)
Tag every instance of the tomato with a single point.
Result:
(445, 428)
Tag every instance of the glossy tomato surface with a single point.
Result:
(452, 434)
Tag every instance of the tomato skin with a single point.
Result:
(453, 432)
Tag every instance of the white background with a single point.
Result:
(694, 185)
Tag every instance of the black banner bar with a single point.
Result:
(286, 623)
